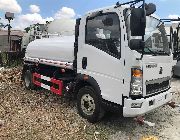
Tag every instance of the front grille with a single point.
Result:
(157, 87)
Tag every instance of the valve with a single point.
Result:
(140, 120)
(174, 105)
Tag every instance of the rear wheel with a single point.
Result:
(89, 105)
(172, 74)
(28, 80)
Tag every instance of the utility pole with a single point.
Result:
(9, 16)
(1, 62)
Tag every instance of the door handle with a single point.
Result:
(84, 62)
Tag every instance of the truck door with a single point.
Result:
(100, 54)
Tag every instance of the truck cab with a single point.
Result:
(111, 58)
(121, 60)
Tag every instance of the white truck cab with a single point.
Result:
(119, 59)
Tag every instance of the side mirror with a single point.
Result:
(150, 8)
(108, 22)
(136, 44)
(138, 22)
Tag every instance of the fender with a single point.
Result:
(83, 80)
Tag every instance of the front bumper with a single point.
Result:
(147, 106)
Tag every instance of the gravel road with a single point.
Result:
(40, 115)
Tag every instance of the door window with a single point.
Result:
(103, 32)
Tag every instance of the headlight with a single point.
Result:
(136, 82)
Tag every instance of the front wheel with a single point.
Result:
(89, 105)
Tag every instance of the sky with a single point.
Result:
(38, 11)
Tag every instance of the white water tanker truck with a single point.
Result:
(119, 60)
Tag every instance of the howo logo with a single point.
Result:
(151, 66)
(161, 70)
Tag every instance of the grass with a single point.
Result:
(12, 64)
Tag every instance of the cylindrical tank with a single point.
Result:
(57, 49)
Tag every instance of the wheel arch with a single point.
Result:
(26, 67)
(86, 80)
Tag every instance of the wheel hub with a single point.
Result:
(27, 81)
(87, 104)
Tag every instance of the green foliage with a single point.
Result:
(1, 25)
(11, 63)
(27, 29)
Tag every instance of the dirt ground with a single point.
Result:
(40, 115)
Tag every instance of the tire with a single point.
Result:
(172, 74)
(28, 80)
(89, 104)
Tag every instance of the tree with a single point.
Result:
(27, 29)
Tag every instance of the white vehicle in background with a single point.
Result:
(55, 28)
(119, 59)
(35, 31)
(173, 31)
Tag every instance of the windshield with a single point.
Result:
(155, 37)
(156, 41)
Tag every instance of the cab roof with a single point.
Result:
(106, 8)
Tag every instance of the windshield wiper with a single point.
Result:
(154, 53)
(162, 52)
